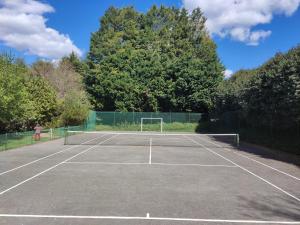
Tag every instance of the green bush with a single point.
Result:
(75, 108)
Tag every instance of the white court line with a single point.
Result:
(148, 217)
(150, 151)
(47, 156)
(159, 164)
(287, 174)
(268, 182)
(24, 181)
(192, 164)
(105, 163)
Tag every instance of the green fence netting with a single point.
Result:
(277, 134)
(109, 121)
(131, 121)
(19, 139)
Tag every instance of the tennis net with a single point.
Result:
(154, 139)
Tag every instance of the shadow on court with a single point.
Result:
(271, 207)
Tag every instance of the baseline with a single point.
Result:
(148, 217)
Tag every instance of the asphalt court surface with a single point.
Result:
(52, 183)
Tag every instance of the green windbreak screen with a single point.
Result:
(131, 121)
(19, 139)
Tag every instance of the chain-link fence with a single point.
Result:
(131, 121)
(19, 139)
(278, 134)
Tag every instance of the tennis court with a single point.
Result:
(146, 178)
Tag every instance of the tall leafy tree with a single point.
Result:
(16, 107)
(25, 98)
(159, 61)
(44, 100)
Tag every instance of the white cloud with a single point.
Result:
(23, 27)
(237, 18)
(228, 73)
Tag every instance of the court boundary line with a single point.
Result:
(141, 163)
(45, 157)
(147, 217)
(287, 174)
(241, 167)
(52, 167)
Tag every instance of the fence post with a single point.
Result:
(133, 119)
(114, 118)
(32, 137)
(51, 134)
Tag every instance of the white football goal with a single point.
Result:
(151, 119)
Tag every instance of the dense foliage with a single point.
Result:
(163, 60)
(14, 97)
(265, 100)
(39, 94)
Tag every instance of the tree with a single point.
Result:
(265, 101)
(42, 68)
(44, 100)
(75, 108)
(69, 90)
(25, 98)
(16, 108)
(159, 61)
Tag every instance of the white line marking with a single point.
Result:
(150, 151)
(63, 150)
(150, 218)
(160, 164)
(191, 164)
(268, 182)
(106, 163)
(287, 174)
(24, 181)
(147, 215)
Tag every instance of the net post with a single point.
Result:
(141, 124)
(161, 124)
(237, 140)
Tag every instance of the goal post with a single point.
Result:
(148, 118)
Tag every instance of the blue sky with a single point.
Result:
(247, 33)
